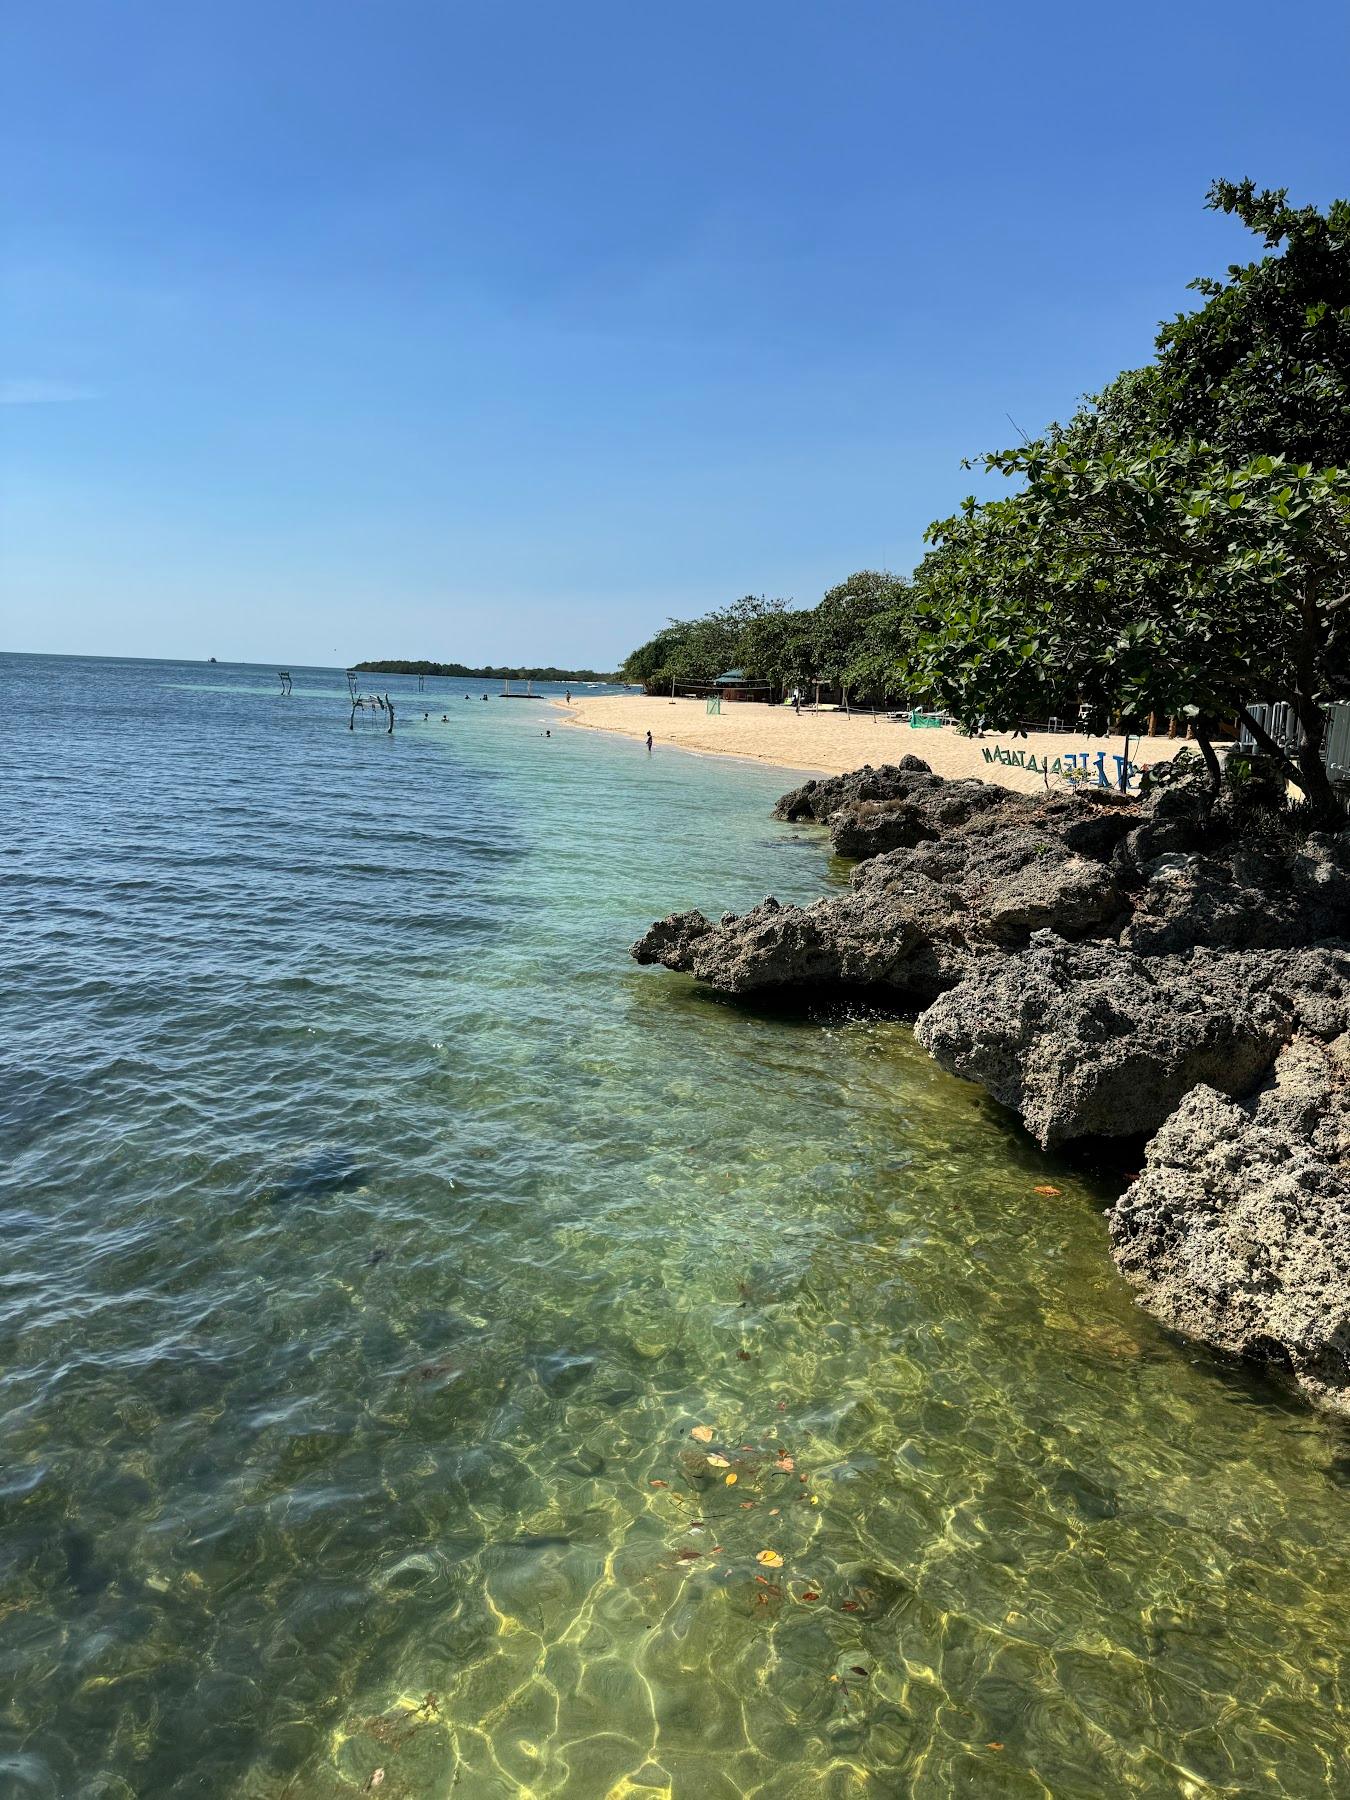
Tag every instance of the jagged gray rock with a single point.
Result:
(913, 923)
(882, 945)
(1176, 814)
(1106, 966)
(1092, 1040)
(819, 798)
(1238, 1229)
(928, 809)
(1249, 897)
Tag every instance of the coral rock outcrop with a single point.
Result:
(1175, 968)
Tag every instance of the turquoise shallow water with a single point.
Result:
(376, 1235)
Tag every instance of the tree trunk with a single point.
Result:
(1264, 741)
(1202, 738)
(1312, 774)
(1313, 777)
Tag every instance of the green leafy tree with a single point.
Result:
(775, 646)
(1179, 546)
(1263, 367)
(851, 626)
(1162, 580)
(695, 651)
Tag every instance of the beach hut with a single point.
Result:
(734, 684)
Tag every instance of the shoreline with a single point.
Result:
(828, 744)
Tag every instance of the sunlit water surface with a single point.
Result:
(376, 1235)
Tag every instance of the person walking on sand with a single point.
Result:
(649, 743)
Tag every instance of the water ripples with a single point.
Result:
(376, 1235)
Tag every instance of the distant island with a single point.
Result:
(400, 666)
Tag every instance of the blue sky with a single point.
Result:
(504, 330)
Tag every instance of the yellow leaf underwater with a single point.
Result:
(730, 1479)
(770, 1559)
(703, 1433)
(718, 1462)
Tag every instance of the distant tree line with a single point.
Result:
(1179, 548)
(854, 641)
(401, 666)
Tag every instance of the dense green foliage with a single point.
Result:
(1182, 544)
(1263, 367)
(1155, 581)
(400, 666)
(853, 640)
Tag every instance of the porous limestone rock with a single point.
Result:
(819, 798)
(1110, 966)
(1089, 1039)
(1238, 1229)
(913, 922)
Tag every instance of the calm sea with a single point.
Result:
(376, 1235)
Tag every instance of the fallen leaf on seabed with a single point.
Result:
(688, 1555)
(786, 1464)
(994, 1746)
(746, 1505)
(769, 1558)
(850, 1606)
(774, 1511)
(718, 1462)
(658, 1484)
(742, 1356)
(858, 1669)
(730, 1479)
(1051, 1193)
(810, 1595)
(376, 1778)
(703, 1433)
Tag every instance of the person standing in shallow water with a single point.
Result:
(649, 743)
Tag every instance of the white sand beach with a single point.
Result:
(829, 743)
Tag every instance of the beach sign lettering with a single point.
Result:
(1079, 765)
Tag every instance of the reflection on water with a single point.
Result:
(440, 1358)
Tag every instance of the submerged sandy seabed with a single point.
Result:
(830, 743)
